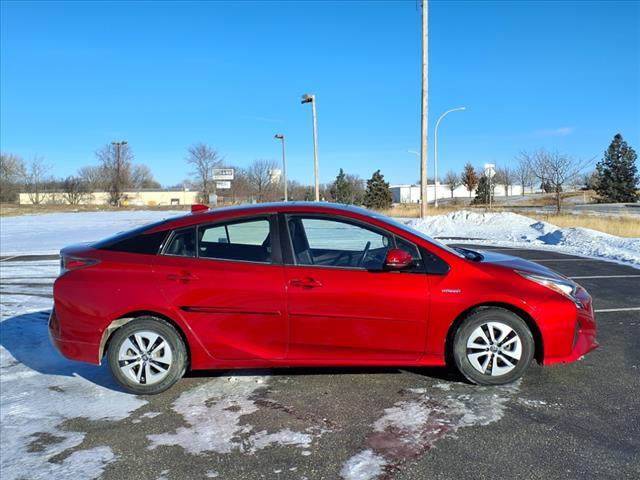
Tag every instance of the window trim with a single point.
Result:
(165, 246)
(291, 260)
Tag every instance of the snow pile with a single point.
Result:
(213, 412)
(511, 229)
(48, 233)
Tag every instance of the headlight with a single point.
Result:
(563, 287)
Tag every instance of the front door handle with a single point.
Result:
(305, 282)
(184, 277)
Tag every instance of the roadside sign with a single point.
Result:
(490, 169)
(223, 173)
(224, 185)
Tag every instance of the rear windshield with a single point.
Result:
(135, 240)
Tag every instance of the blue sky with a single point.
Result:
(74, 76)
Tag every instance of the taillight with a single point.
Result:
(68, 264)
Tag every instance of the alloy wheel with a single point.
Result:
(145, 357)
(494, 348)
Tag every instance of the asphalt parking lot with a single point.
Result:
(564, 422)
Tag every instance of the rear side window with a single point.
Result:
(182, 244)
(145, 243)
(248, 241)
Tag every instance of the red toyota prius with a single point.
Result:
(308, 284)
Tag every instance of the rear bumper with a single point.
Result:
(584, 339)
(73, 350)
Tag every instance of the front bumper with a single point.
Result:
(584, 339)
(73, 350)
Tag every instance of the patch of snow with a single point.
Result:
(213, 412)
(511, 229)
(443, 386)
(212, 474)
(411, 427)
(41, 389)
(363, 466)
(48, 233)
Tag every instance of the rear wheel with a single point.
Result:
(147, 356)
(493, 346)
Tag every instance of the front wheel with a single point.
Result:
(493, 346)
(147, 356)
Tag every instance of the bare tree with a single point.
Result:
(142, 177)
(506, 176)
(452, 180)
(74, 190)
(524, 171)
(556, 170)
(35, 176)
(260, 176)
(12, 172)
(115, 162)
(93, 178)
(203, 159)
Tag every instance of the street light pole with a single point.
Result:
(435, 147)
(424, 114)
(280, 136)
(306, 98)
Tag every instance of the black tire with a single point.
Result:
(502, 321)
(148, 326)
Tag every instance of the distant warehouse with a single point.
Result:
(411, 193)
(138, 198)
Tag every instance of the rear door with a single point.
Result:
(227, 281)
(342, 305)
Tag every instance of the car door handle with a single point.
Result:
(305, 283)
(184, 277)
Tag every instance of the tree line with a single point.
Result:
(114, 173)
(615, 178)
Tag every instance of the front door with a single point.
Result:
(342, 305)
(225, 282)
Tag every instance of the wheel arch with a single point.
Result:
(122, 320)
(526, 317)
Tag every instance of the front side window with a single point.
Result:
(328, 242)
(248, 241)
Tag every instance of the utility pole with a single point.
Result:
(118, 183)
(307, 98)
(280, 136)
(424, 114)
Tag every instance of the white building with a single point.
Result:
(411, 193)
(139, 198)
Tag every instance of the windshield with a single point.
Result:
(420, 234)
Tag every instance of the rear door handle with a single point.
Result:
(305, 283)
(184, 277)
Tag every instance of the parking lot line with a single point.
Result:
(605, 310)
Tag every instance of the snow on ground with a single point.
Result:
(511, 229)
(41, 390)
(48, 233)
(213, 412)
(411, 427)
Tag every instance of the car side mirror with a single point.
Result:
(397, 259)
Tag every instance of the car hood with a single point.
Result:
(515, 263)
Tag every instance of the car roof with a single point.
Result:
(239, 211)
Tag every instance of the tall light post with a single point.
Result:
(280, 136)
(310, 98)
(435, 147)
(424, 110)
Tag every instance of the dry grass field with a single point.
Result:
(622, 226)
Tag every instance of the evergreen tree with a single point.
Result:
(618, 178)
(469, 178)
(483, 191)
(377, 195)
(341, 190)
